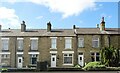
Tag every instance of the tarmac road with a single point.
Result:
(70, 72)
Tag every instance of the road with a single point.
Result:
(70, 72)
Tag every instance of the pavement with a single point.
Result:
(70, 72)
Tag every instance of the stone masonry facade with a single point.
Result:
(23, 47)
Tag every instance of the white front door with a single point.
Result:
(80, 60)
(53, 60)
(20, 62)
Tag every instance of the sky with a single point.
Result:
(61, 13)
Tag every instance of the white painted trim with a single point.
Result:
(20, 38)
(53, 48)
(67, 51)
(4, 38)
(4, 52)
(53, 51)
(94, 51)
(33, 53)
(53, 37)
(68, 37)
(72, 59)
(67, 64)
(19, 52)
(33, 38)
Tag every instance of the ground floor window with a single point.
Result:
(33, 58)
(5, 59)
(95, 56)
(68, 59)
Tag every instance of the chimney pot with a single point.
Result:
(97, 25)
(74, 27)
(102, 19)
(102, 25)
(23, 26)
(49, 27)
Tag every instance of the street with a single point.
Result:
(70, 72)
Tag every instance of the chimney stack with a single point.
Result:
(97, 25)
(74, 27)
(23, 26)
(102, 25)
(49, 27)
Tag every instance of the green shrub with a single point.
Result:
(77, 66)
(3, 69)
(94, 66)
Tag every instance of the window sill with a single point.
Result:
(68, 48)
(53, 48)
(68, 64)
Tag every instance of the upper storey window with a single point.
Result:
(80, 42)
(34, 43)
(20, 43)
(95, 42)
(68, 42)
(5, 43)
(53, 42)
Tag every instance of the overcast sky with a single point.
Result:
(61, 13)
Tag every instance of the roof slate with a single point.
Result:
(57, 32)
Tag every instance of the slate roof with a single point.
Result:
(97, 31)
(57, 32)
(38, 32)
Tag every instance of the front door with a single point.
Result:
(80, 60)
(20, 62)
(53, 60)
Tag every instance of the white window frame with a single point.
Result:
(19, 45)
(5, 39)
(20, 53)
(95, 55)
(33, 52)
(5, 56)
(33, 39)
(94, 40)
(81, 42)
(67, 56)
(68, 42)
(33, 56)
(55, 52)
(53, 42)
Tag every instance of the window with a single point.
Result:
(53, 43)
(81, 42)
(95, 56)
(34, 43)
(5, 56)
(68, 43)
(95, 42)
(20, 43)
(5, 43)
(33, 58)
(68, 59)
(92, 57)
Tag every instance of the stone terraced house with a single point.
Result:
(23, 47)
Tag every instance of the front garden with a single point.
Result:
(110, 61)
